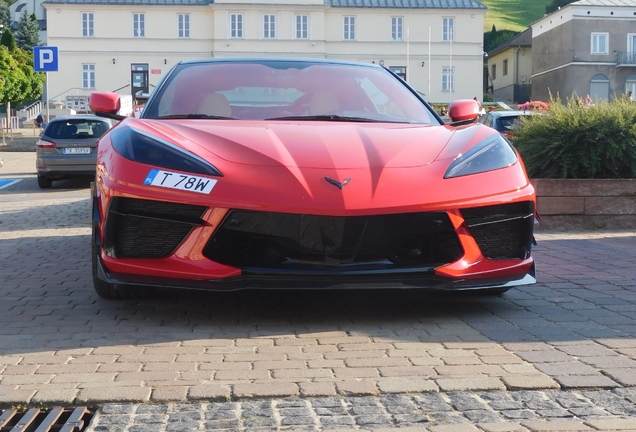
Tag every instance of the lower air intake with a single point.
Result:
(295, 241)
(148, 229)
(502, 231)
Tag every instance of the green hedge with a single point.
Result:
(574, 141)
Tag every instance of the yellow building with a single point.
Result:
(123, 45)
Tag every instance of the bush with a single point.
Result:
(534, 105)
(573, 141)
(488, 98)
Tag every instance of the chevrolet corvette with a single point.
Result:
(304, 174)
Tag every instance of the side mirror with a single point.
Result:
(463, 110)
(105, 104)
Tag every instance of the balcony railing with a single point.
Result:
(626, 58)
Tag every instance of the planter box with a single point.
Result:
(576, 204)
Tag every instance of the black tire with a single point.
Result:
(102, 288)
(44, 182)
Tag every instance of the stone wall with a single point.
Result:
(577, 204)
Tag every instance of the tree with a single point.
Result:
(7, 39)
(556, 4)
(27, 32)
(5, 16)
(18, 79)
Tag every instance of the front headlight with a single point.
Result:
(491, 154)
(144, 148)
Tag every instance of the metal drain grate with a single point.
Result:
(51, 420)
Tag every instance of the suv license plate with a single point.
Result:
(76, 150)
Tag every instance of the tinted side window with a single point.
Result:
(76, 129)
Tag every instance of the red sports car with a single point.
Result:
(305, 174)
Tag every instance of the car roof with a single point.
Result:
(79, 117)
(512, 113)
(276, 59)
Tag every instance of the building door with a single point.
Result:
(139, 79)
(599, 87)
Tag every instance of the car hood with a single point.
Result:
(309, 144)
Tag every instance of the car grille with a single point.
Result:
(148, 229)
(502, 231)
(248, 239)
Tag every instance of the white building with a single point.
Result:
(111, 45)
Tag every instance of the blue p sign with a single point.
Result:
(45, 59)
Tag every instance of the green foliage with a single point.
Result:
(18, 80)
(9, 75)
(556, 4)
(27, 32)
(8, 40)
(513, 14)
(573, 141)
(495, 38)
(488, 98)
(5, 16)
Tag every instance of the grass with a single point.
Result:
(513, 14)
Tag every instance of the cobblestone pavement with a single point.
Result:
(435, 412)
(568, 340)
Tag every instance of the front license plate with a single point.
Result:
(76, 150)
(173, 180)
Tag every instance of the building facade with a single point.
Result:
(124, 46)
(509, 69)
(587, 47)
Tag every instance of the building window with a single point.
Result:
(396, 28)
(302, 26)
(399, 71)
(448, 79)
(269, 26)
(349, 28)
(493, 71)
(87, 24)
(630, 87)
(236, 26)
(88, 76)
(139, 25)
(184, 25)
(448, 29)
(600, 43)
(505, 67)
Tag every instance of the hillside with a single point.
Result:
(513, 14)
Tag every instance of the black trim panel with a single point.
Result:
(253, 279)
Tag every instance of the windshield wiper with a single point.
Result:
(195, 116)
(329, 117)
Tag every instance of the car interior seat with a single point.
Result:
(324, 102)
(70, 130)
(214, 104)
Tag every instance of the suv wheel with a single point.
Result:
(44, 182)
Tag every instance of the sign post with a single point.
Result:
(45, 59)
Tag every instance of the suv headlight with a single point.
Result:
(144, 148)
(491, 154)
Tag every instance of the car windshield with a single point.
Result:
(76, 129)
(286, 90)
(508, 123)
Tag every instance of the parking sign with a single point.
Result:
(45, 59)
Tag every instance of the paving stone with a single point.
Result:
(583, 381)
(113, 394)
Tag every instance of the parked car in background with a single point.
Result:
(68, 147)
(504, 121)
